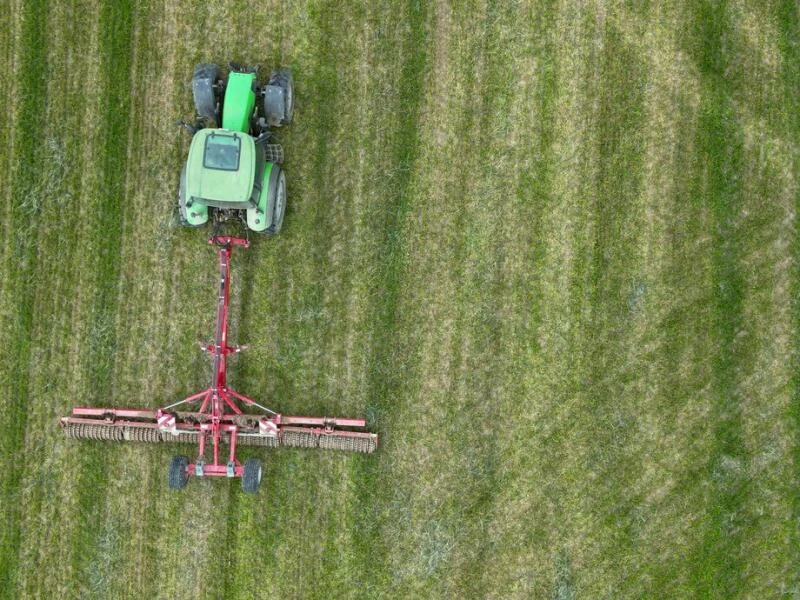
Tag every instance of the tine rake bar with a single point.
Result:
(219, 419)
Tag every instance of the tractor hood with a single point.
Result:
(221, 168)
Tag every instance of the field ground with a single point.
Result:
(548, 248)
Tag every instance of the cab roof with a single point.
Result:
(221, 166)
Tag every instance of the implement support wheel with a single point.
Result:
(251, 478)
(178, 472)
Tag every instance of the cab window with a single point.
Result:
(222, 152)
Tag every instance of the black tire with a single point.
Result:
(281, 78)
(178, 473)
(206, 96)
(276, 200)
(251, 477)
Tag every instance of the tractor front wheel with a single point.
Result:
(279, 98)
(206, 96)
(251, 477)
(178, 472)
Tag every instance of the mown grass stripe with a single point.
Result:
(94, 546)
(572, 233)
(435, 539)
(133, 516)
(521, 156)
(534, 195)
(615, 266)
(7, 97)
(788, 21)
(43, 490)
(482, 347)
(719, 564)
(59, 387)
(26, 169)
(386, 377)
(680, 359)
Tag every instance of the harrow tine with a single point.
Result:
(298, 438)
(291, 437)
(330, 440)
(141, 434)
(123, 433)
(92, 431)
(349, 443)
(262, 441)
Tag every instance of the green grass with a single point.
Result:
(548, 251)
(22, 206)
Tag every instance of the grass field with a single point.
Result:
(550, 249)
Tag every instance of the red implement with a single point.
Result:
(219, 420)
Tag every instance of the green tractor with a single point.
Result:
(232, 171)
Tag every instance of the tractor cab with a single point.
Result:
(221, 170)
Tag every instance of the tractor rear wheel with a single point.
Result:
(206, 96)
(178, 472)
(276, 200)
(251, 477)
(280, 113)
